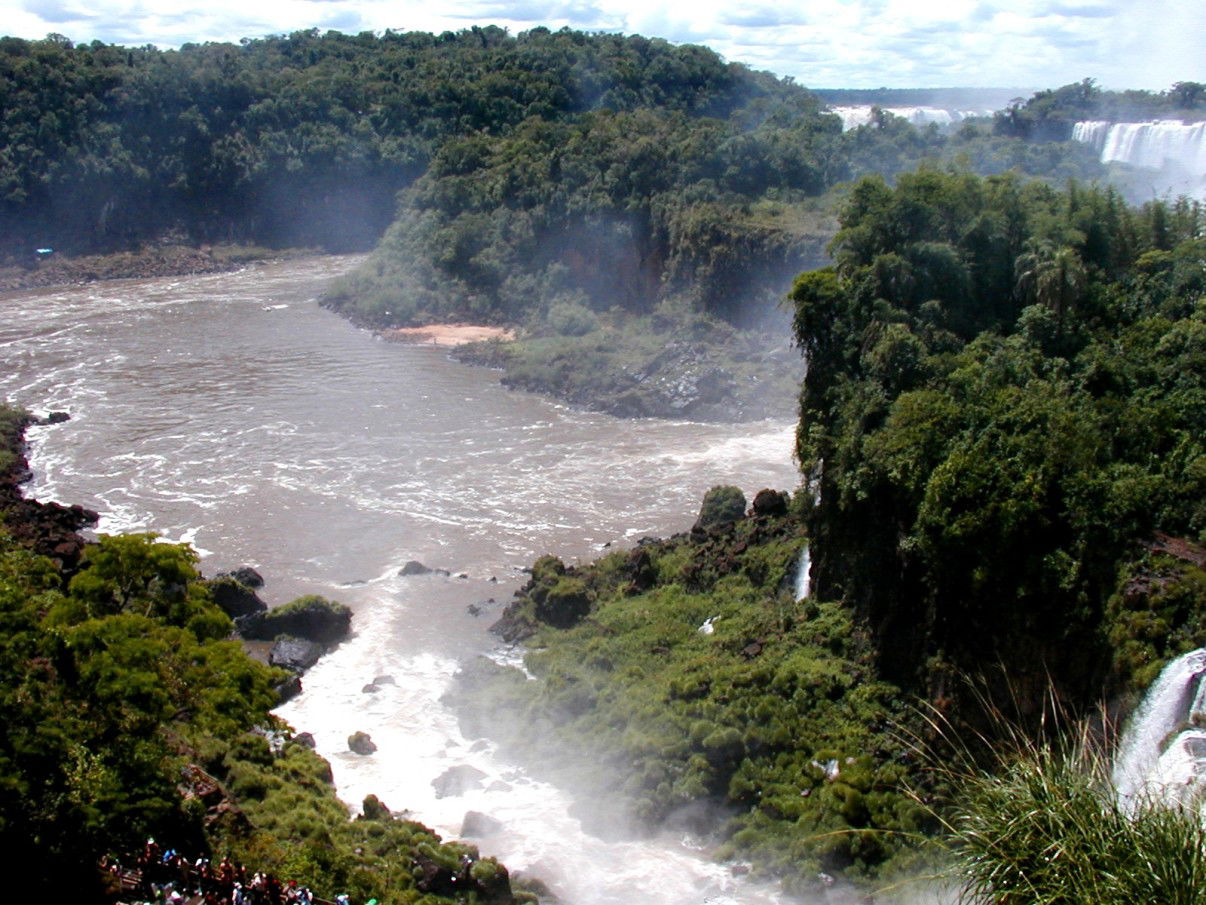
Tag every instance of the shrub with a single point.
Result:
(570, 318)
(722, 505)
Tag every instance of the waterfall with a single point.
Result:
(860, 115)
(1148, 761)
(802, 579)
(1176, 149)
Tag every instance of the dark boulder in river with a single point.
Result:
(235, 597)
(361, 743)
(456, 781)
(244, 575)
(296, 654)
(311, 617)
(478, 824)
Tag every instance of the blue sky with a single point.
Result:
(822, 43)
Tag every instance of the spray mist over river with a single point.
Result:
(232, 412)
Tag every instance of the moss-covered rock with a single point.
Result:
(311, 617)
(721, 505)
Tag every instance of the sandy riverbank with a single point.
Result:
(446, 334)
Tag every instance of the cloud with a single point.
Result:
(1084, 12)
(835, 43)
(342, 20)
(763, 17)
(55, 12)
(578, 13)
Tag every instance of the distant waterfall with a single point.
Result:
(1175, 148)
(1163, 753)
(802, 569)
(860, 115)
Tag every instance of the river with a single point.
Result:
(232, 412)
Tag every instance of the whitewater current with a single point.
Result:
(232, 412)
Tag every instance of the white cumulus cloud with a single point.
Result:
(823, 43)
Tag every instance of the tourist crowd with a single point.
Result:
(166, 877)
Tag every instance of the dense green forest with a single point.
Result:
(306, 137)
(1004, 397)
(127, 713)
(1002, 439)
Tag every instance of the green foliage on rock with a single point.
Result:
(700, 695)
(311, 616)
(721, 505)
(671, 364)
(1049, 115)
(12, 427)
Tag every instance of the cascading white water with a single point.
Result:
(802, 578)
(1174, 148)
(1148, 763)
(860, 115)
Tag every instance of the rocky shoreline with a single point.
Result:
(49, 529)
(293, 636)
(144, 263)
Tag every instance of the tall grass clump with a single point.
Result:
(1046, 828)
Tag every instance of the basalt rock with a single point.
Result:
(312, 617)
(374, 808)
(296, 654)
(456, 781)
(288, 689)
(236, 598)
(641, 573)
(477, 824)
(305, 739)
(361, 743)
(414, 567)
(244, 575)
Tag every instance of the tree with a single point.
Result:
(1054, 278)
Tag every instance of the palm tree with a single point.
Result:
(1052, 277)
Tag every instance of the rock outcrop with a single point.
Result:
(456, 781)
(295, 654)
(477, 824)
(236, 598)
(312, 617)
(361, 743)
(244, 575)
